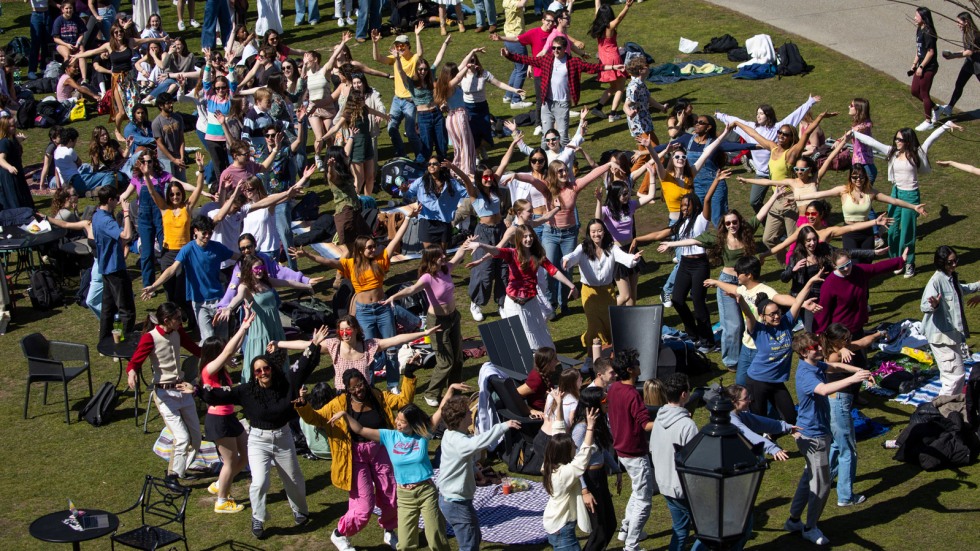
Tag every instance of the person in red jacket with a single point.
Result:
(631, 425)
(561, 77)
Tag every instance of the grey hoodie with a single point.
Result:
(673, 426)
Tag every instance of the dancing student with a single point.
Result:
(599, 259)
(259, 288)
(216, 100)
(603, 29)
(860, 112)
(944, 322)
(906, 161)
(542, 377)
(356, 119)
(428, 115)
(595, 481)
(971, 55)
(350, 350)
(408, 446)
(322, 106)
(767, 125)
(457, 483)
(457, 117)
(817, 138)
(734, 239)
(161, 343)
(630, 425)
(784, 151)
(618, 217)
(563, 469)
(267, 400)
(472, 80)
(812, 389)
(438, 193)
(348, 217)
(693, 267)
(359, 466)
(435, 278)
(772, 334)
(523, 261)
(838, 346)
(855, 201)
(221, 424)
(924, 66)
(366, 270)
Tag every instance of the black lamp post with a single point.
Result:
(720, 472)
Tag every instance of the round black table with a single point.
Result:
(25, 244)
(52, 528)
(122, 350)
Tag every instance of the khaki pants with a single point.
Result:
(421, 500)
(949, 360)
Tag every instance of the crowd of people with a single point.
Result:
(222, 264)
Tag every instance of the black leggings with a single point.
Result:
(604, 519)
(966, 71)
(691, 274)
(862, 239)
(218, 151)
(776, 393)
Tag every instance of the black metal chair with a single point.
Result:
(190, 372)
(161, 504)
(54, 362)
(509, 349)
(511, 406)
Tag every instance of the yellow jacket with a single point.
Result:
(341, 467)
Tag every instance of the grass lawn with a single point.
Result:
(45, 461)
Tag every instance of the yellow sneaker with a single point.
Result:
(229, 506)
(213, 488)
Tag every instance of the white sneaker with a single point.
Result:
(596, 112)
(195, 24)
(350, 21)
(476, 312)
(521, 105)
(506, 100)
(613, 117)
(573, 114)
(340, 22)
(181, 26)
(392, 539)
(319, 163)
(816, 536)
(909, 271)
(432, 402)
(340, 542)
(925, 125)
(793, 525)
(537, 130)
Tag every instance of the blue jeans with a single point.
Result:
(564, 539)
(168, 166)
(519, 73)
(403, 109)
(310, 7)
(216, 12)
(669, 285)
(378, 322)
(163, 87)
(843, 450)
(745, 357)
(731, 324)
(369, 18)
(84, 182)
(680, 515)
(432, 133)
(40, 38)
(462, 517)
(284, 220)
(149, 227)
(486, 12)
(94, 298)
(108, 16)
(557, 243)
(719, 201)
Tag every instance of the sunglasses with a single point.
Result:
(784, 134)
(557, 48)
(844, 266)
(220, 88)
(701, 123)
(897, 140)
(273, 135)
(175, 194)
(345, 332)
(552, 139)
(146, 161)
(258, 270)
(262, 369)
(730, 223)
(246, 247)
(487, 178)
(433, 164)
(799, 170)
(680, 157)
(857, 177)
(811, 214)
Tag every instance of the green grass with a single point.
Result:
(45, 461)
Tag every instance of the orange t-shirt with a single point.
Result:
(365, 280)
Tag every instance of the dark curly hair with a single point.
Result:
(625, 361)
(455, 412)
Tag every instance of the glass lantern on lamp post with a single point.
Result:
(720, 472)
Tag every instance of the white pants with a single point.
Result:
(342, 8)
(180, 415)
(274, 447)
(949, 360)
(637, 512)
(532, 318)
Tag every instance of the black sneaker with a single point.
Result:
(257, 528)
(300, 519)
(172, 481)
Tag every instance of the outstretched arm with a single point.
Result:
(960, 166)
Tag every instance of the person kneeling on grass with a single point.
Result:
(813, 421)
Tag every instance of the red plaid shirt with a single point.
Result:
(575, 69)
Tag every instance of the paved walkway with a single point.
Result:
(877, 32)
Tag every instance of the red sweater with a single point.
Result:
(845, 299)
(627, 417)
(522, 282)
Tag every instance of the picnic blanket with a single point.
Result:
(669, 73)
(929, 391)
(514, 519)
(207, 457)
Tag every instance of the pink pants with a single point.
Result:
(801, 221)
(372, 481)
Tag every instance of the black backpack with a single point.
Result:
(308, 208)
(721, 44)
(417, 304)
(44, 291)
(19, 49)
(26, 112)
(100, 407)
(309, 314)
(790, 61)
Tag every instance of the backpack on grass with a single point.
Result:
(44, 292)
(100, 407)
(721, 44)
(791, 61)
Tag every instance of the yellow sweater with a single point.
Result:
(341, 468)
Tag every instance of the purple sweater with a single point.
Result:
(845, 299)
(275, 271)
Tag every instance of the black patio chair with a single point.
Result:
(161, 505)
(54, 362)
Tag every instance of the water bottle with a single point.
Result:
(117, 324)
(17, 77)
